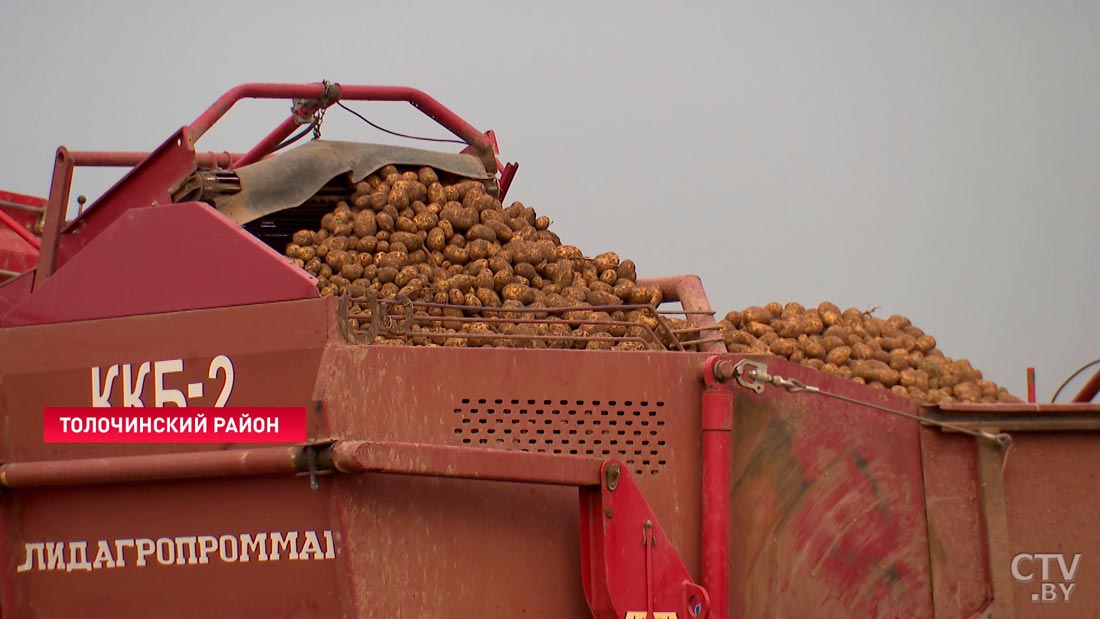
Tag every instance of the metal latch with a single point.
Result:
(751, 374)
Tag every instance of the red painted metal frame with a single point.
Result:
(172, 279)
(620, 575)
(149, 183)
(20, 230)
(60, 185)
(717, 422)
(160, 467)
(126, 159)
(465, 463)
(156, 174)
(689, 291)
(22, 214)
(1089, 391)
(317, 92)
(507, 175)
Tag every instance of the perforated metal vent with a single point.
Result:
(632, 431)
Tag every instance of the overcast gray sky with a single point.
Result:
(936, 159)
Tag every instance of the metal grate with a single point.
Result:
(632, 431)
(410, 321)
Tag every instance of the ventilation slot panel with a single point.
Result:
(630, 430)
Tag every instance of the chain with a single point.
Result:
(318, 118)
(750, 374)
(319, 115)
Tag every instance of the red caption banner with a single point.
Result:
(174, 425)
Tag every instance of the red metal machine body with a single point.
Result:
(18, 242)
(485, 481)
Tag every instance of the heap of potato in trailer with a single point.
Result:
(478, 274)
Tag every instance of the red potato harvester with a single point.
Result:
(677, 481)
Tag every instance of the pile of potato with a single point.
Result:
(448, 241)
(887, 354)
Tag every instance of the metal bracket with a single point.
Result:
(751, 374)
(304, 109)
(382, 322)
(611, 477)
(311, 452)
(625, 578)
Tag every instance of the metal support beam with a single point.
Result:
(465, 463)
(161, 467)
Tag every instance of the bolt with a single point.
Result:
(611, 477)
(723, 369)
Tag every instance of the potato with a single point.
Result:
(875, 371)
(482, 231)
(352, 270)
(462, 283)
(873, 326)
(966, 372)
(792, 310)
(831, 341)
(756, 314)
(812, 347)
(488, 297)
(478, 249)
(734, 318)
(783, 346)
(568, 252)
(427, 176)
(518, 292)
(967, 392)
(810, 323)
(460, 217)
(830, 313)
(456, 254)
(768, 337)
(743, 338)
(336, 259)
(303, 238)
(405, 223)
(862, 351)
(626, 270)
(839, 355)
(758, 329)
(597, 297)
(412, 242)
(913, 378)
(786, 327)
(623, 289)
(384, 221)
(605, 261)
(898, 359)
(533, 252)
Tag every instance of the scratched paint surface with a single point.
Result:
(828, 506)
(428, 547)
